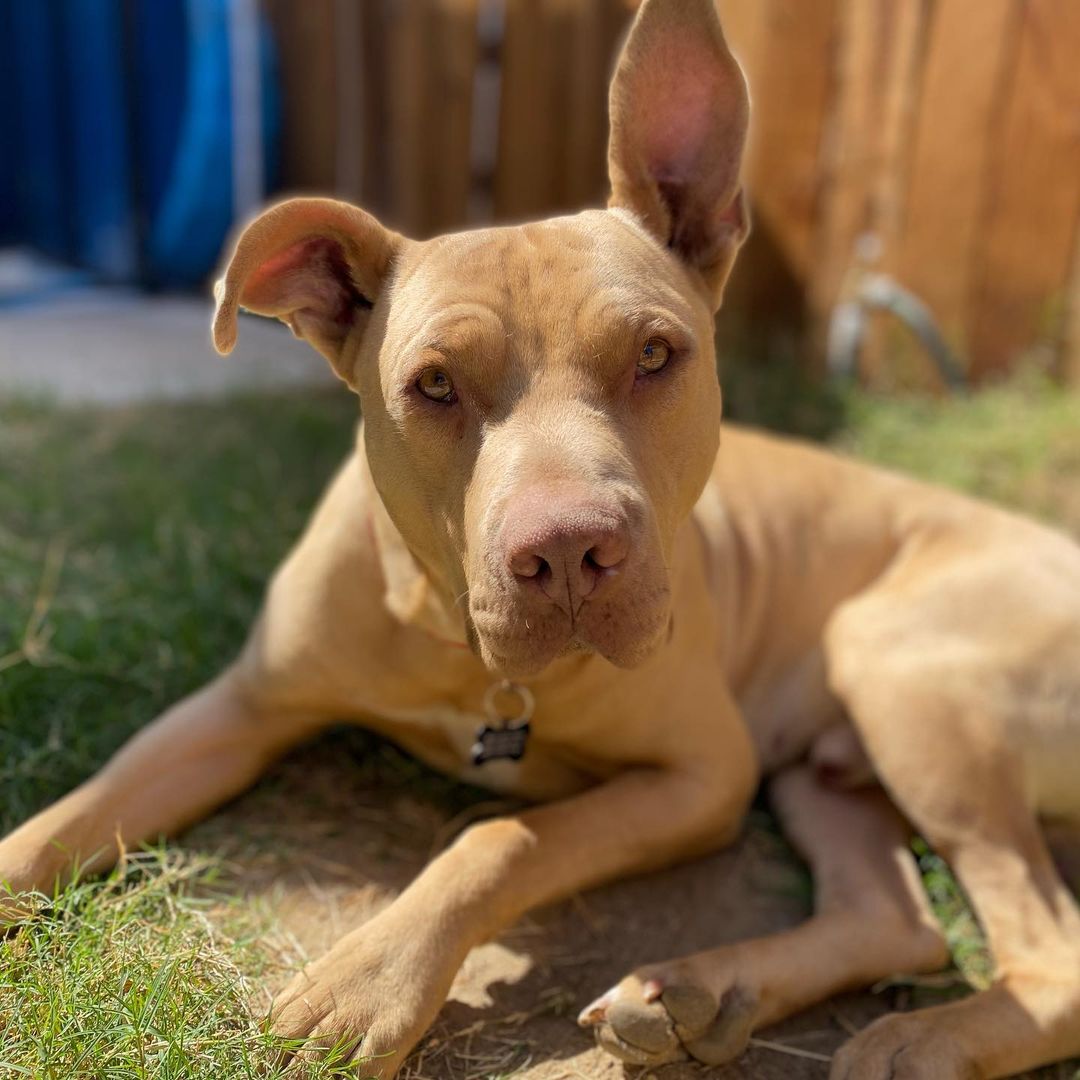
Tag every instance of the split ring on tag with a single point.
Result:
(506, 733)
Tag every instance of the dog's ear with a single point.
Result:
(679, 113)
(317, 264)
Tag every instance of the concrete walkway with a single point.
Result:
(79, 344)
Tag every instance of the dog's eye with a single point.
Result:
(654, 356)
(436, 385)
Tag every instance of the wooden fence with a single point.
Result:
(440, 113)
(949, 131)
(942, 136)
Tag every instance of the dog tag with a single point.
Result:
(505, 736)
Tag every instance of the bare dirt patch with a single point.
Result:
(340, 827)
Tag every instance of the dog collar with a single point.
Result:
(509, 708)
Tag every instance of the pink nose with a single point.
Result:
(568, 552)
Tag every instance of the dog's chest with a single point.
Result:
(452, 733)
(444, 736)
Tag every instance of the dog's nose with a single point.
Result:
(568, 554)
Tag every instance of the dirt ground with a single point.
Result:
(339, 828)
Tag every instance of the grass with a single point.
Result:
(128, 977)
(1017, 443)
(134, 546)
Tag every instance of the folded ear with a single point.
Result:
(317, 264)
(679, 113)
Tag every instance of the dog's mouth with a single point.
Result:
(514, 643)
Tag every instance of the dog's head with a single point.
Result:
(541, 407)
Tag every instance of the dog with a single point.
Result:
(547, 569)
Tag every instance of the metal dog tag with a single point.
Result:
(509, 708)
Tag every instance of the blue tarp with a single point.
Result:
(115, 142)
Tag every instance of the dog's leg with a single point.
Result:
(383, 984)
(871, 920)
(937, 725)
(199, 753)
(1031, 1015)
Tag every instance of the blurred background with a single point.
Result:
(914, 168)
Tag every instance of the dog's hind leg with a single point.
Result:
(194, 757)
(1030, 1016)
(940, 715)
(871, 920)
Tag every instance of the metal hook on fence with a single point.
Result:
(870, 290)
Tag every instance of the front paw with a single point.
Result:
(369, 999)
(668, 1012)
(902, 1047)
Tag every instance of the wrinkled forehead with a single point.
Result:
(562, 274)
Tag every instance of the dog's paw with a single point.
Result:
(664, 1013)
(902, 1047)
(370, 998)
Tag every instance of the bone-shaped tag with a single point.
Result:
(499, 743)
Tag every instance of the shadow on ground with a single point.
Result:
(340, 827)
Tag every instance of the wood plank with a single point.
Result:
(407, 92)
(594, 32)
(451, 56)
(968, 45)
(891, 355)
(372, 113)
(557, 58)
(432, 49)
(849, 158)
(351, 99)
(903, 68)
(1033, 195)
(304, 36)
(1070, 343)
(783, 46)
(530, 137)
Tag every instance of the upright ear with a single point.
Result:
(679, 112)
(317, 264)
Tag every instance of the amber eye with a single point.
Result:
(436, 385)
(654, 356)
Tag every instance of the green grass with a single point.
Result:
(134, 546)
(1017, 444)
(129, 977)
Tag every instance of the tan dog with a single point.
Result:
(537, 479)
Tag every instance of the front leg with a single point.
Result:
(199, 753)
(383, 984)
(871, 920)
